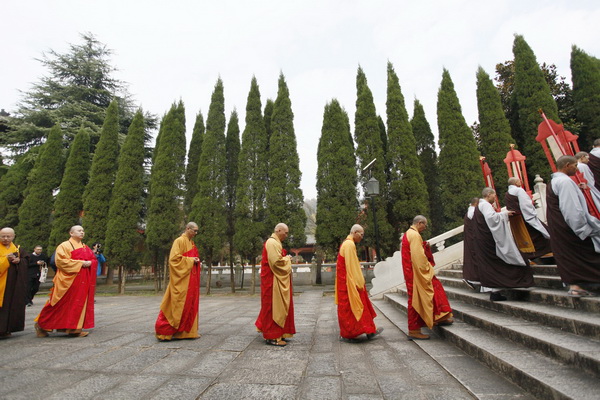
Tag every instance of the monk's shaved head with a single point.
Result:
(474, 201)
(419, 218)
(280, 226)
(580, 155)
(486, 192)
(564, 161)
(7, 230)
(513, 180)
(191, 225)
(597, 143)
(75, 227)
(356, 228)
(281, 231)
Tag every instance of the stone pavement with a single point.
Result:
(121, 359)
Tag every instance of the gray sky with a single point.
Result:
(176, 50)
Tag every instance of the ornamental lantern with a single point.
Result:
(515, 163)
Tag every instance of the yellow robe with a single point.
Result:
(354, 277)
(4, 265)
(423, 273)
(282, 278)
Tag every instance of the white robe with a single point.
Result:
(595, 151)
(528, 210)
(574, 209)
(470, 212)
(591, 182)
(497, 222)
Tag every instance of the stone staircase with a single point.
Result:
(540, 339)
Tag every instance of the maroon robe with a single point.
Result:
(541, 244)
(12, 312)
(594, 164)
(470, 271)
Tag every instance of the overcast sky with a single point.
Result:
(174, 50)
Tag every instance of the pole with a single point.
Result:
(376, 230)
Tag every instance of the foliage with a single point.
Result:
(193, 158)
(408, 192)
(13, 185)
(428, 162)
(44, 178)
(122, 233)
(494, 130)
(98, 191)
(337, 203)
(585, 71)
(69, 200)
(232, 152)
(460, 173)
(268, 114)
(284, 196)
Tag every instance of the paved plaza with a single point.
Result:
(121, 359)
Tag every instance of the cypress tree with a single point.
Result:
(268, 114)
(208, 209)
(13, 185)
(337, 203)
(494, 130)
(250, 211)
(232, 152)
(165, 218)
(368, 146)
(69, 200)
(585, 72)
(531, 92)
(44, 178)
(284, 196)
(408, 192)
(460, 173)
(126, 203)
(428, 162)
(96, 199)
(193, 158)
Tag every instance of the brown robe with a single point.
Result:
(541, 244)
(470, 271)
(493, 271)
(594, 164)
(12, 312)
(576, 259)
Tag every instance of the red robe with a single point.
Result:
(351, 299)
(265, 323)
(74, 308)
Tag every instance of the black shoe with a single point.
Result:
(372, 335)
(469, 284)
(30, 304)
(496, 296)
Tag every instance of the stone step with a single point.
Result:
(578, 322)
(472, 374)
(545, 270)
(542, 376)
(546, 281)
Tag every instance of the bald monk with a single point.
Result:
(178, 316)
(276, 317)
(71, 304)
(355, 311)
(13, 284)
(427, 301)
(575, 233)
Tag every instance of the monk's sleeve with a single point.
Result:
(180, 265)
(573, 208)
(354, 278)
(274, 253)
(64, 262)
(417, 255)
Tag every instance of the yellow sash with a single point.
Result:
(4, 265)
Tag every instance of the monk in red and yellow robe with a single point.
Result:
(276, 317)
(355, 311)
(178, 316)
(71, 304)
(427, 301)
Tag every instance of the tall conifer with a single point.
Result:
(69, 200)
(531, 93)
(232, 151)
(337, 203)
(494, 130)
(585, 71)
(193, 158)
(126, 204)
(250, 212)
(460, 173)
(284, 196)
(208, 209)
(428, 161)
(268, 114)
(13, 185)
(368, 140)
(44, 178)
(96, 198)
(408, 192)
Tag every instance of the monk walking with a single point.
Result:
(355, 311)
(276, 317)
(178, 316)
(13, 284)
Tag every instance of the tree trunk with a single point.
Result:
(253, 280)
(318, 280)
(121, 279)
(209, 273)
(110, 274)
(165, 270)
(231, 271)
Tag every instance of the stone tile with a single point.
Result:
(211, 363)
(321, 388)
(322, 364)
(221, 391)
(135, 387)
(181, 388)
(360, 382)
(87, 388)
(139, 361)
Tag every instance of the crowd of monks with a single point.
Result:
(498, 247)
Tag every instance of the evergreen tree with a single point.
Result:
(208, 209)
(428, 161)
(337, 203)
(585, 71)
(531, 93)
(193, 158)
(494, 130)
(408, 192)
(368, 147)
(96, 199)
(126, 203)
(13, 185)
(69, 203)
(250, 227)
(284, 196)
(44, 178)
(460, 173)
(268, 115)
(383, 133)
(165, 218)
(232, 152)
